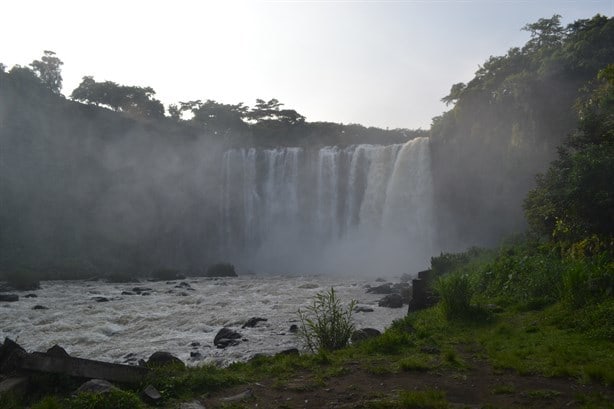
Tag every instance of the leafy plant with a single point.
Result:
(455, 292)
(325, 325)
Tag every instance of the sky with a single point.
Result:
(376, 63)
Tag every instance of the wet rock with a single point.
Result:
(127, 293)
(10, 355)
(161, 358)
(32, 295)
(151, 395)
(308, 286)
(96, 386)
(362, 308)
(9, 297)
(195, 344)
(139, 290)
(224, 336)
(289, 351)
(381, 289)
(39, 307)
(240, 397)
(391, 301)
(364, 334)
(57, 350)
(252, 322)
(191, 405)
(100, 299)
(293, 328)
(225, 343)
(145, 293)
(380, 280)
(195, 355)
(14, 386)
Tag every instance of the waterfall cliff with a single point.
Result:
(363, 209)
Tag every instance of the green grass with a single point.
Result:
(428, 399)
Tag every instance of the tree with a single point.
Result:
(218, 116)
(138, 101)
(48, 70)
(575, 198)
(546, 32)
(270, 111)
(455, 93)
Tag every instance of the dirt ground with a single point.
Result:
(479, 386)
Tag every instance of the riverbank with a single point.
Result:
(529, 335)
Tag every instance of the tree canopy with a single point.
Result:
(48, 69)
(138, 101)
(574, 199)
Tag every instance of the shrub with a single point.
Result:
(455, 295)
(325, 325)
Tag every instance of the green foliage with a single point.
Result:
(49, 71)
(573, 200)
(115, 399)
(325, 325)
(455, 294)
(428, 399)
(174, 383)
(138, 101)
(48, 402)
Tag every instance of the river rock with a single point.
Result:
(381, 289)
(96, 386)
(151, 395)
(293, 328)
(226, 337)
(252, 322)
(39, 307)
(58, 351)
(362, 308)
(17, 386)
(100, 299)
(391, 301)
(31, 295)
(364, 333)
(161, 358)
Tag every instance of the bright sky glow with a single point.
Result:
(378, 63)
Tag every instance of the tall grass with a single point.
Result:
(325, 325)
(455, 294)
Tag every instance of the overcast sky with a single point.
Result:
(378, 63)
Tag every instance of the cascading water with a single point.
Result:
(364, 209)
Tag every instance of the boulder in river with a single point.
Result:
(161, 358)
(391, 301)
(381, 289)
(226, 337)
(252, 322)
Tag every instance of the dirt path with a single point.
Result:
(479, 386)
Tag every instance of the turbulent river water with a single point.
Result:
(173, 316)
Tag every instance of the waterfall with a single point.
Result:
(360, 209)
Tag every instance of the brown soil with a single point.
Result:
(478, 386)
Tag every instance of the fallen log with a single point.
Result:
(14, 359)
(83, 368)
